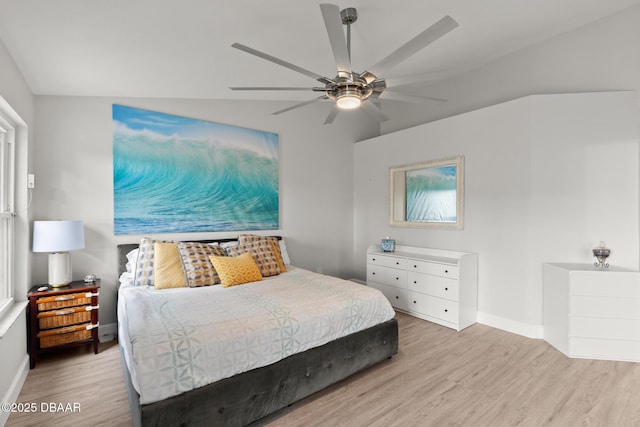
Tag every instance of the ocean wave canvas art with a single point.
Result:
(174, 174)
(431, 194)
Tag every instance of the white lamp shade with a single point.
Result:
(57, 236)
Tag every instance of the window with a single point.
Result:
(7, 211)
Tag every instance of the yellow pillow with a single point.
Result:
(167, 267)
(236, 270)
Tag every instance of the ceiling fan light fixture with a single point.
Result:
(348, 101)
(348, 95)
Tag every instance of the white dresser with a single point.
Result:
(436, 285)
(590, 313)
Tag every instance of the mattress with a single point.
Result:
(176, 340)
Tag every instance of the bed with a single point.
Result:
(218, 368)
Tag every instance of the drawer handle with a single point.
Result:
(64, 312)
(373, 259)
(397, 297)
(415, 266)
(373, 273)
(414, 302)
(446, 271)
(397, 263)
(397, 278)
(446, 311)
(65, 298)
(415, 281)
(446, 289)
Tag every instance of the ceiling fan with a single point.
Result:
(350, 89)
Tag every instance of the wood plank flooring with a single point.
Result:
(478, 377)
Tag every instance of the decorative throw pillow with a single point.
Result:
(236, 270)
(263, 241)
(263, 255)
(196, 263)
(143, 275)
(167, 267)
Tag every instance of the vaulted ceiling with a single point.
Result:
(182, 49)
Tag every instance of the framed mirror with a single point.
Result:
(428, 194)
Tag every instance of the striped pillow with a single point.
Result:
(262, 253)
(265, 240)
(196, 263)
(143, 275)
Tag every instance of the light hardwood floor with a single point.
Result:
(478, 377)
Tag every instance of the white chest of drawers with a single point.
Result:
(592, 314)
(432, 284)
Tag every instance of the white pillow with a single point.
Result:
(132, 257)
(283, 252)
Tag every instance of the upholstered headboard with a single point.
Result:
(125, 248)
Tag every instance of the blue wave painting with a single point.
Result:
(173, 174)
(431, 194)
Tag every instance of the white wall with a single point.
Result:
(74, 179)
(546, 178)
(13, 345)
(601, 56)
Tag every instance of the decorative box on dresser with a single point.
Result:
(589, 313)
(433, 284)
(62, 317)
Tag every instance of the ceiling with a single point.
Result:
(181, 48)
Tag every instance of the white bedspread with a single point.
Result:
(176, 340)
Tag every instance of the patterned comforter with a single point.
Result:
(176, 340)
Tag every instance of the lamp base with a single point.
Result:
(59, 269)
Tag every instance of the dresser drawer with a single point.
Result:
(387, 261)
(590, 306)
(605, 283)
(396, 296)
(387, 276)
(604, 327)
(433, 268)
(608, 349)
(66, 300)
(433, 285)
(433, 306)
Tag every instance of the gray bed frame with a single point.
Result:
(252, 395)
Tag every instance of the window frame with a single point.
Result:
(7, 212)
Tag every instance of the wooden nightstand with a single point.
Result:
(62, 317)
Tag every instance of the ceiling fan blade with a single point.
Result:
(374, 111)
(332, 115)
(281, 62)
(395, 96)
(301, 104)
(304, 89)
(414, 45)
(428, 77)
(333, 23)
(416, 78)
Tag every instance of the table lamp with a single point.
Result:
(58, 238)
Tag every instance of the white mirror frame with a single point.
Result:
(398, 194)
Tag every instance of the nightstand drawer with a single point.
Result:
(66, 300)
(65, 335)
(65, 317)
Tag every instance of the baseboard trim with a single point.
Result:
(524, 329)
(15, 388)
(108, 332)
